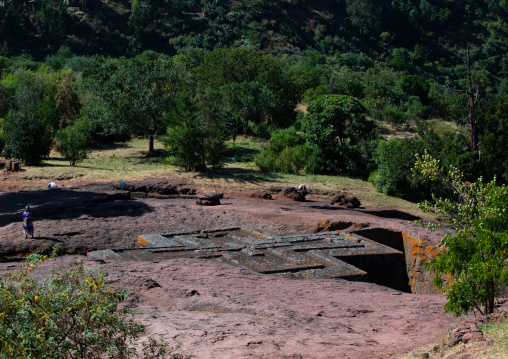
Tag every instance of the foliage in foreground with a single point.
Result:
(72, 314)
(472, 265)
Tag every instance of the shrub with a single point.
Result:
(72, 142)
(393, 116)
(72, 314)
(289, 153)
(471, 265)
(395, 158)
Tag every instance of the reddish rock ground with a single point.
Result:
(219, 311)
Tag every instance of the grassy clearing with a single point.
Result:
(128, 162)
(116, 162)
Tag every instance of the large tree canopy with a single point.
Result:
(138, 92)
(338, 126)
(252, 71)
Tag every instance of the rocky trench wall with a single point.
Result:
(416, 252)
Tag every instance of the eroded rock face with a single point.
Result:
(97, 216)
(216, 310)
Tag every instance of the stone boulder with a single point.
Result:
(343, 199)
(294, 194)
(210, 199)
(339, 198)
(213, 195)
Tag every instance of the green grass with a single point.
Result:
(128, 162)
(115, 162)
(497, 331)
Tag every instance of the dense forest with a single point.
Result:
(318, 79)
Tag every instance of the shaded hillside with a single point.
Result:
(408, 35)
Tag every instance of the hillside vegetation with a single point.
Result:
(194, 74)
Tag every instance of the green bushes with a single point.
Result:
(337, 125)
(288, 153)
(72, 142)
(471, 264)
(395, 158)
(336, 136)
(29, 138)
(71, 314)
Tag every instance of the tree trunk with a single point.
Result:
(473, 123)
(150, 144)
(491, 295)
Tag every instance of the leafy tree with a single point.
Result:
(28, 137)
(67, 100)
(14, 19)
(344, 81)
(493, 139)
(196, 137)
(72, 142)
(471, 265)
(395, 158)
(3, 135)
(415, 85)
(248, 102)
(338, 126)
(50, 22)
(30, 125)
(288, 152)
(72, 314)
(138, 92)
(223, 67)
(365, 15)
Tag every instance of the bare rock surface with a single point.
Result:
(98, 216)
(216, 310)
(220, 311)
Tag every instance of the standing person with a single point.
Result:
(28, 226)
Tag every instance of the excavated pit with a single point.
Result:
(351, 256)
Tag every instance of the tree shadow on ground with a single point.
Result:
(243, 154)
(240, 175)
(65, 204)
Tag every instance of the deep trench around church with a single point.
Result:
(335, 254)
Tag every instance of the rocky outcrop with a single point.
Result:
(261, 195)
(210, 199)
(295, 194)
(148, 189)
(343, 199)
